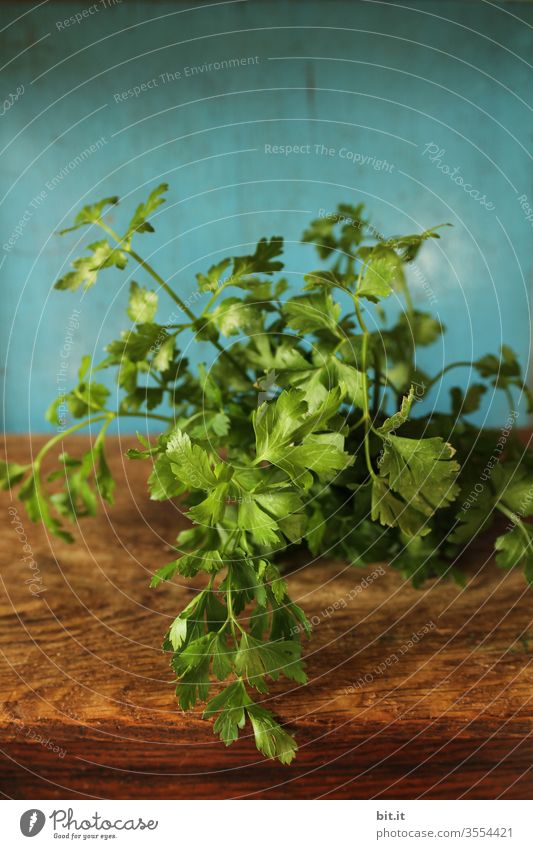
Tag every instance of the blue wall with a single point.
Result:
(374, 79)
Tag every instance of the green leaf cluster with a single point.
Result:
(304, 429)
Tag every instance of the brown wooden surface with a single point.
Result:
(81, 669)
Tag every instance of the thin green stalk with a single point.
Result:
(377, 383)
(517, 522)
(408, 300)
(123, 245)
(442, 372)
(168, 289)
(109, 415)
(358, 423)
(506, 512)
(144, 415)
(216, 294)
(409, 311)
(359, 315)
(60, 436)
(233, 621)
(157, 277)
(231, 615)
(366, 410)
(509, 396)
(101, 433)
(515, 519)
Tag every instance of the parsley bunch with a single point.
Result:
(302, 431)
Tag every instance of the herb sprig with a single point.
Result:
(295, 421)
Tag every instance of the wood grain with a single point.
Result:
(89, 710)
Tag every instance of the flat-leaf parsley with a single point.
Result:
(306, 413)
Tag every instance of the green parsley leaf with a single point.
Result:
(515, 548)
(270, 738)
(139, 222)
(90, 214)
(86, 269)
(142, 304)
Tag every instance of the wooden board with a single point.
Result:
(89, 710)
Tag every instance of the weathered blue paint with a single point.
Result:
(338, 79)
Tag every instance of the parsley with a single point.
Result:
(304, 414)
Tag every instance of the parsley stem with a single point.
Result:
(358, 423)
(442, 372)
(231, 615)
(218, 291)
(377, 383)
(517, 522)
(101, 433)
(109, 416)
(157, 277)
(509, 396)
(168, 289)
(142, 414)
(123, 245)
(60, 436)
(359, 315)
(366, 410)
(509, 513)
(408, 301)
(514, 517)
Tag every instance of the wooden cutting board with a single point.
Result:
(411, 693)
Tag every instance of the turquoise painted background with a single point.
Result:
(375, 81)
